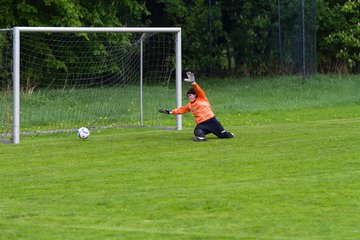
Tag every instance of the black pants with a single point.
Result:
(211, 126)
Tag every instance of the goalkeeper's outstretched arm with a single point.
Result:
(184, 109)
(166, 111)
(178, 111)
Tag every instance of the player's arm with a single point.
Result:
(191, 79)
(200, 93)
(181, 110)
(166, 111)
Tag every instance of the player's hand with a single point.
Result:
(191, 77)
(166, 111)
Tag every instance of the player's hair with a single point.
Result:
(191, 91)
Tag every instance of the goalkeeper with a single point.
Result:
(199, 106)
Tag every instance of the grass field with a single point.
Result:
(291, 172)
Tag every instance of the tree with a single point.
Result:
(71, 13)
(242, 37)
(249, 26)
(202, 49)
(345, 42)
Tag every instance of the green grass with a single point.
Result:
(48, 109)
(289, 173)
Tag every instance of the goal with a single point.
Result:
(57, 79)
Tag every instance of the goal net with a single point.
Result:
(60, 79)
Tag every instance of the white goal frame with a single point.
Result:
(16, 63)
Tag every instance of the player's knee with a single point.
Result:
(199, 132)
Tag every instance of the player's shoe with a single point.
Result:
(199, 139)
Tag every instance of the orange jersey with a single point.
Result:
(200, 108)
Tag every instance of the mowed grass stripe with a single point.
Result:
(272, 181)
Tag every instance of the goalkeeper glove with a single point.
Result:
(191, 77)
(166, 111)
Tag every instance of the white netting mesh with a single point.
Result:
(5, 84)
(70, 80)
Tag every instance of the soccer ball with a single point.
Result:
(83, 132)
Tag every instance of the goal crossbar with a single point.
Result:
(99, 29)
(16, 61)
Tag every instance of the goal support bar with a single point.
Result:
(16, 61)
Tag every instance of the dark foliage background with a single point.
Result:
(223, 37)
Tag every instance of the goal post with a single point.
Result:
(100, 55)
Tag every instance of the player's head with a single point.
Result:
(191, 94)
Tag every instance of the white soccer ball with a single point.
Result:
(83, 132)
